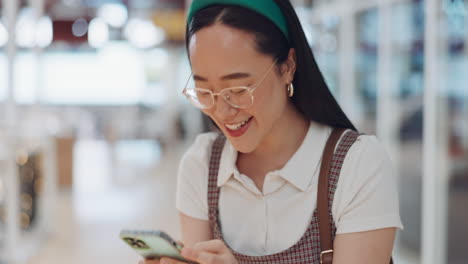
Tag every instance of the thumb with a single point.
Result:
(181, 244)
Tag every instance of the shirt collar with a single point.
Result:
(298, 171)
(302, 166)
(227, 164)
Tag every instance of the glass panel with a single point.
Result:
(2, 199)
(323, 38)
(366, 69)
(3, 73)
(454, 97)
(3, 57)
(3, 152)
(3, 143)
(407, 37)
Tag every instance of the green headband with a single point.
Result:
(267, 8)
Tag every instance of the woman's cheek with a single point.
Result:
(209, 113)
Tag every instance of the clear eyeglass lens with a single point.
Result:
(199, 98)
(239, 97)
(204, 98)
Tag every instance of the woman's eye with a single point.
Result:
(203, 93)
(239, 91)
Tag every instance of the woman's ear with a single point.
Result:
(289, 67)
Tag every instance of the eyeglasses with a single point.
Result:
(239, 97)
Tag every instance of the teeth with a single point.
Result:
(238, 125)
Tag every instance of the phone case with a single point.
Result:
(153, 244)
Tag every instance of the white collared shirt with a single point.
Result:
(262, 222)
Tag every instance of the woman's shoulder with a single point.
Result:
(366, 162)
(366, 197)
(366, 156)
(368, 148)
(367, 165)
(201, 146)
(192, 179)
(197, 155)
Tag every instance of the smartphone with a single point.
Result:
(153, 244)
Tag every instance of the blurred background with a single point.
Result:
(93, 123)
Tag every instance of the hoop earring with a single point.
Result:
(290, 90)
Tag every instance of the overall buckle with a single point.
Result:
(323, 253)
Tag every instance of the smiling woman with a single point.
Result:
(251, 193)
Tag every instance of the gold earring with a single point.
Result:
(290, 90)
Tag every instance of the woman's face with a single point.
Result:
(225, 57)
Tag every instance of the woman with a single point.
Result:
(258, 81)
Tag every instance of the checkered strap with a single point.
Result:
(213, 190)
(332, 161)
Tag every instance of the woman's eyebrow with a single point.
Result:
(239, 75)
(232, 76)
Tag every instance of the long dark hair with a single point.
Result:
(312, 97)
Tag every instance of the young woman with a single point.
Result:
(249, 193)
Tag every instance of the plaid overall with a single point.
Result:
(307, 249)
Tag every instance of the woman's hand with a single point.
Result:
(146, 261)
(208, 252)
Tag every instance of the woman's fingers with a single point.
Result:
(170, 261)
(161, 261)
(208, 258)
(149, 261)
(180, 243)
(209, 252)
(213, 246)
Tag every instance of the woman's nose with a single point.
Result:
(223, 110)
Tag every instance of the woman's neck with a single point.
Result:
(286, 135)
(277, 148)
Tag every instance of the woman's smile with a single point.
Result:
(238, 129)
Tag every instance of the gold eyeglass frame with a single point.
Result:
(226, 98)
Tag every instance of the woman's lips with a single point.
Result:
(239, 132)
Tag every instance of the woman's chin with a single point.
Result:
(244, 150)
(243, 147)
(244, 142)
